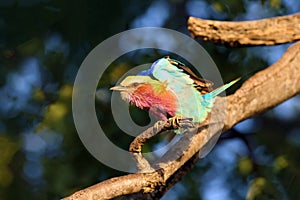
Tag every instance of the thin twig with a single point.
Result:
(136, 145)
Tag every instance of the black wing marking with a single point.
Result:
(202, 85)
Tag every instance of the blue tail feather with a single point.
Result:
(209, 98)
(219, 90)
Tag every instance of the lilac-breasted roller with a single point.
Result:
(168, 89)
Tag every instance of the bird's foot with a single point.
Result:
(181, 122)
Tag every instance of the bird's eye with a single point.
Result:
(135, 84)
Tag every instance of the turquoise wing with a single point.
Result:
(163, 70)
(166, 69)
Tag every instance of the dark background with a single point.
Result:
(43, 43)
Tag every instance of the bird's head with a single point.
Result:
(136, 89)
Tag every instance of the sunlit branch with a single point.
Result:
(270, 31)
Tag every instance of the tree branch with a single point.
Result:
(266, 89)
(262, 91)
(271, 31)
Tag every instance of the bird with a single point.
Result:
(170, 89)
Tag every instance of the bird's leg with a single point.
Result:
(181, 122)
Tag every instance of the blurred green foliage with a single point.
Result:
(42, 46)
(8, 150)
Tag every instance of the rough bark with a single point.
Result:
(267, 88)
(262, 91)
(271, 31)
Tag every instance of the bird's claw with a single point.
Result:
(181, 122)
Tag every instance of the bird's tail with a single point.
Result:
(220, 89)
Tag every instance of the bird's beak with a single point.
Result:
(118, 88)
